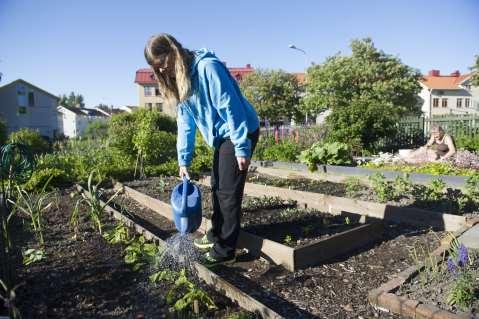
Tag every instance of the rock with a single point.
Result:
(347, 307)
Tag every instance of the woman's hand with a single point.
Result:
(243, 162)
(184, 172)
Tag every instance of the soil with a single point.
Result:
(434, 287)
(447, 204)
(339, 288)
(270, 217)
(87, 278)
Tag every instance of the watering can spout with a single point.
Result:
(186, 205)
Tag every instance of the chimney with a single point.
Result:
(456, 73)
(434, 73)
(248, 66)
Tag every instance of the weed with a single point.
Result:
(161, 185)
(402, 186)
(8, 296)
(435, 190)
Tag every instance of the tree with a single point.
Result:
(475, 72)
(367, 92)
(274, 93)
(73, 100)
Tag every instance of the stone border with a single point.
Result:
(290, 258)
(420, 178)
(384, 299)
(340, 205)
(213, 280)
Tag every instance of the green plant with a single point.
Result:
(402, 186)
(34, 205)
(353, 186)
(97, 129)
(433, 168)
(462, 292)
(57, 177)
(381, 187)
(184, 294)
(472, 187)
(117, 235)
(139, 253)
(327, 154)
(347, 221)
(435, 190)
(288, 240)
(95, 204)
(430, 269)
(32, 255)
(32, 139)
(285, 151)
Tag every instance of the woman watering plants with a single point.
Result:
(208, 98)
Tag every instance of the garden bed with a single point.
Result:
(336, 289)
(412, 196)
(293, 238)
(87, 278)
(442, 283)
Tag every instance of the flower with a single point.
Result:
(463, 256)
(451, 265)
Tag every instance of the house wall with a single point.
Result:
(16, 112)
(68, 120)
(452, 96)
(154, 99)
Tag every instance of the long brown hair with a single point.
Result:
(176, 89)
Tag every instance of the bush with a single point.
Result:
(96, 129)
(123, 127)
(327, 154)
(285, 151)
(32, 139)
(467, 142)
(41, 176)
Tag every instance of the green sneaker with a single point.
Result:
(209, 261)
(203, 243)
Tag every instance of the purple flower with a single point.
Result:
(463, 256)
(451, 265)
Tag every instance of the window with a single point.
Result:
(444, 102)
(157, 91)
(21, 95)
(435, 102)
(22, 110)
(467, 102)
(159, 107)
(148, 90)
(31, 98)
(459, 103)
(148, 105)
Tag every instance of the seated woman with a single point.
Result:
(439, 148)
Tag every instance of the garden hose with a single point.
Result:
(16, 162)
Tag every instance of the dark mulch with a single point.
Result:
(88, 278)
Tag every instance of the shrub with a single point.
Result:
(286, 151)
(327, 154)
(121, 130)
(96, 129)
(467, 142)
(32, 139)
(40, 176)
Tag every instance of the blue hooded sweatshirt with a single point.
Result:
(216, 107)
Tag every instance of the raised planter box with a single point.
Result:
(451, 181)
(383, 298)
(290, 258)
(244, 300)
(341, 205)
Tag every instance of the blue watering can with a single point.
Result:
(186, 204)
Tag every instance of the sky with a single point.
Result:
(95, 47)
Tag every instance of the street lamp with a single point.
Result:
(292, 46)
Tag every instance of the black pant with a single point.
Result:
(227, 183)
